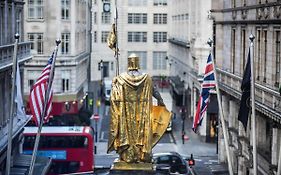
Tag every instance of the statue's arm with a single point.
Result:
(157, 95)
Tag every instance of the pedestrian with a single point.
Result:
(182, 136)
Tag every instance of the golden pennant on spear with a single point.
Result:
(112, 39)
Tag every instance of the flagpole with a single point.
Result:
(252, 37)
(116, 33)
(10, 125)
(225, 135)
(47, 93)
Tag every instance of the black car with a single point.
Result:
(173, 160)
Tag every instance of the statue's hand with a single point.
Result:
(160, 103)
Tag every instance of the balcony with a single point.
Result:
(6, 62)
(6, 54)
(268, 101)
(180, 42)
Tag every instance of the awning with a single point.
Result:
(22, 162)
(177, 84)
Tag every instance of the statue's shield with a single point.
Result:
(161, 118)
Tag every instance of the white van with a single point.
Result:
(107, 84)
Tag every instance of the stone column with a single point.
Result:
(193, 104)
(241, 160)
(232, 124)
(221, 152)
(5, 22)
(275, 145)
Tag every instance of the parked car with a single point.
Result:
(176, 163)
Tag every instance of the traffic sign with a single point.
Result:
(95, 117)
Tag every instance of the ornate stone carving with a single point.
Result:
(276, 11)
(244, 14)
(234, 15)
(250, 161)
(259, 13)
(266, 12)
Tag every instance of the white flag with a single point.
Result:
(18, 99)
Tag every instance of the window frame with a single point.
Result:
(37, 42)
(36, 6)
(65, 8)
(65, 43)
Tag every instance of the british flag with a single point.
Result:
(206, 86)
(38, 93)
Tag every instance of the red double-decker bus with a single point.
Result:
(70, 147)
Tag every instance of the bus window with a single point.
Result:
(64, 167)
(57, 142)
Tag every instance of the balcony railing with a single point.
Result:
(6, 53)
(268, 101)
(6, 61)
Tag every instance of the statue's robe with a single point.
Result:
(132, 127)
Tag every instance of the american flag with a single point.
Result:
(38, 92)
(207, 85)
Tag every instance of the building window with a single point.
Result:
(104, 35)
(65, 6)
(159, 37)
(159, 60)
(233, 49)
(137, 18)
(265, 54)
(65, 40)
(35, 9)
(95, 36)
(37, 42)
(95, 17)
(160, 18)
(159, 2)
(65, 78)
(106, 18)
(137, 2)
(243, 48)
(30, 83)
(277, 58)
(143, 58)
(258, 54)
(137, 36)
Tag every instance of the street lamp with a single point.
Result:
(183, 111)
(100, 93)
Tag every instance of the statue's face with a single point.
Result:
(133, 63)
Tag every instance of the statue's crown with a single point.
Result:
(133, 62)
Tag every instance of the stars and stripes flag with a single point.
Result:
(38, 93)
(206, 86)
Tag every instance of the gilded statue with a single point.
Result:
(136, 125)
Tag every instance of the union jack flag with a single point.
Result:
(38, 93)
(206, 86)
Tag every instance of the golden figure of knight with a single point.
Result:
(136, 125)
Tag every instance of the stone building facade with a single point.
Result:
(11, 22)
(189, 30)
(142, 27)
(234, 21)
(68, 20)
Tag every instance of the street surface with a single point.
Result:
(206, 159)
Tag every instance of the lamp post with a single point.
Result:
(101, 84)
(183, 108)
